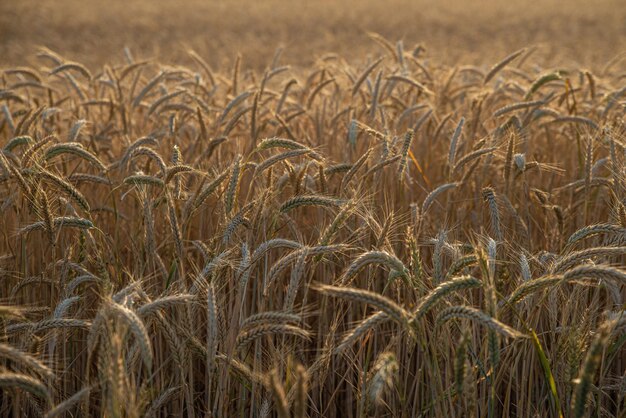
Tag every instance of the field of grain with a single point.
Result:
(340, 209)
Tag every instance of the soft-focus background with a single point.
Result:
(93, 32)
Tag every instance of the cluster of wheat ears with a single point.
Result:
(392, 238)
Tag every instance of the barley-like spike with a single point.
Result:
(149, 86)
(433, 195)
(165, 98)
(460, 362)
(172, 172)
(143, 179)
(266, 246)
(276, 142)
(25, 359)
(579, 257)
(589, 367)
(301, 392)
(500, 65)
(34, 149)
(338, 168)
(533, 286)
(27, 383)
(478, 316)
(89, 178)
(297, 274)
(316, 90)
(364, 326)
(518, 106)
(271, 317)
(60, 222)
(525, 268)
(65, 406)
(64, 306)
(372, 257)
(444, 289)
(67, 188)
(411, 82)
(598, 272)
(241, 368)
(233, 103)
(175, 227)
(280, 399)
(472, 156)
(18, 141)
(381, 377)
(150, 154)
(141, 142)
(406, 145)
(48, 219)
(280, 157)
(375, 95)
(440, 244)
(72, 66)
(354, 168)
(309, 200)
(460, 264)
(165, 302)
(454, 141)
(364, 74)
(575, 119)
(246, 337)
(138, 329)
(595, 229)
(389, 307)
(544, 79)
(209, 188)
(231, 191)
(508, 163)
(212, 327)
(60, 323)
(490, 196)
(232, 226)
(280, 265)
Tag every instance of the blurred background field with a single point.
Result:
(577, 32)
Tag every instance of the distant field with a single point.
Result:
(587, 33)
(412, 210)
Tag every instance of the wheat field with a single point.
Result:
(350, 211)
